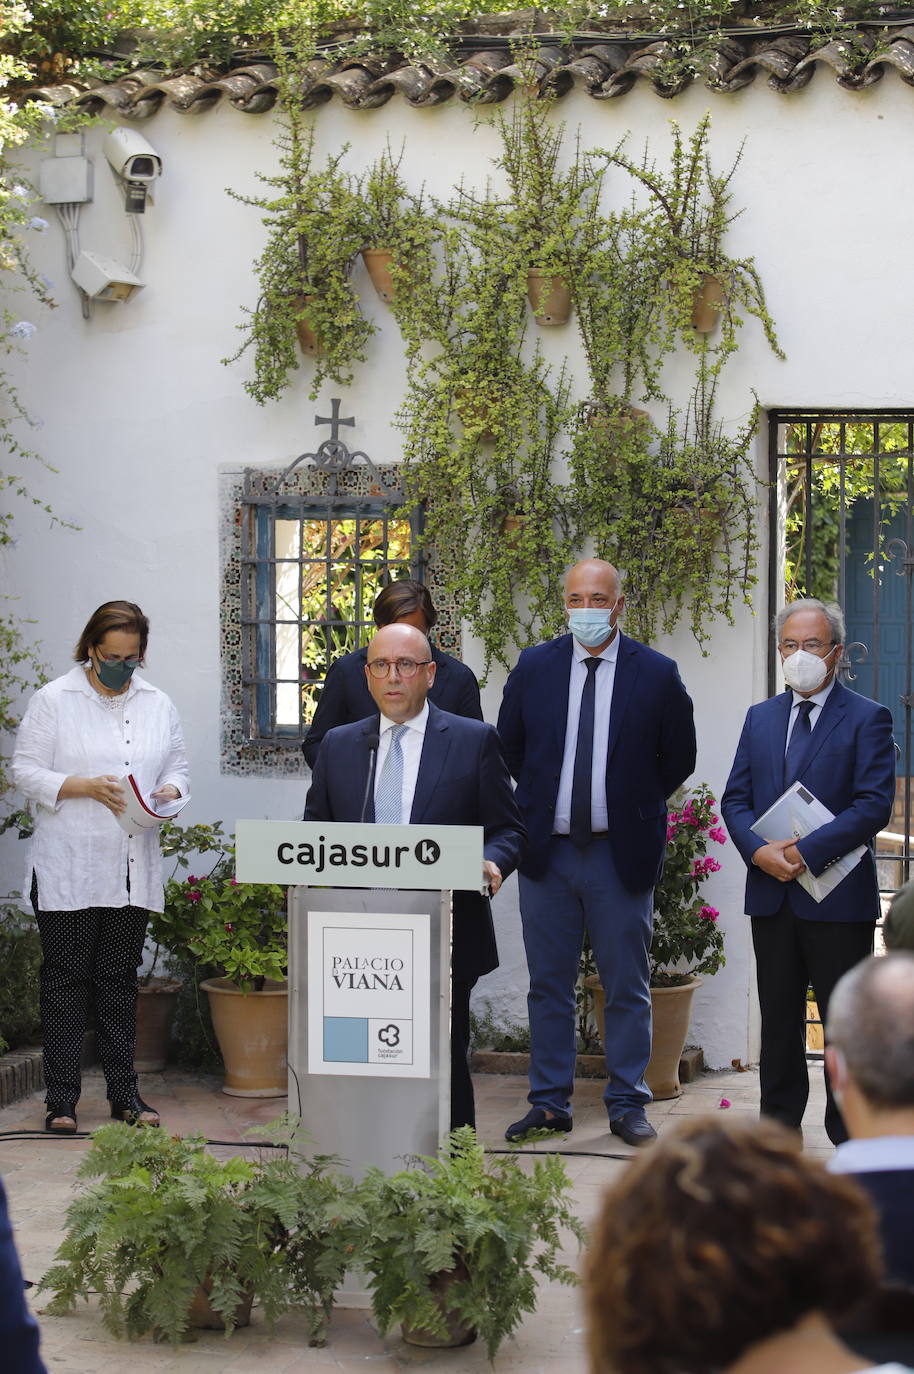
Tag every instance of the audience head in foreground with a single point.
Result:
(870, 1051)
(725, 1251)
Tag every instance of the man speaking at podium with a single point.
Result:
(432, 768)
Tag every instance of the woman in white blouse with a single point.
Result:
(92, 884)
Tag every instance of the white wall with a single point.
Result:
(138, 414)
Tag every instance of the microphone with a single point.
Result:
(374, 740)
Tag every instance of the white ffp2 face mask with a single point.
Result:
(805, 672)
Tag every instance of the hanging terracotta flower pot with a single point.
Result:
(378, 261)
(475, 413)
(308, 340)
(549, 297)
(708, 301)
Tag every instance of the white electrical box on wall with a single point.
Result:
(104, 279)
(65, 180)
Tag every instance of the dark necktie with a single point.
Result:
(579, 828)
(799, 738)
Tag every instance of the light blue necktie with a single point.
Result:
(388, 801)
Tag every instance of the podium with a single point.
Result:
(369, 977)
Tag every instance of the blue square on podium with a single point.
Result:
(346, 1039)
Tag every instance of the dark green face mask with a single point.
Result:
(115, 676)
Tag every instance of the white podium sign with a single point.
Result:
(368, 1004)
(335, 854)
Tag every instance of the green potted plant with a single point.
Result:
(687, 940)
(453, 1245)
(314, 236)
(547, 208)
(240, 931)
(697, 283)
(160, 986)
(399, 234)
(170, 1237)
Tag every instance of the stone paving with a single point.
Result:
(40, 1177)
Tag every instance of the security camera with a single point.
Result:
(136, 163)
(131, 157)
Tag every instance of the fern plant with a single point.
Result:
(164, 1217)
(497, 1224)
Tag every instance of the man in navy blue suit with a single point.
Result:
(598, 732)
(436, 768)
(346, 697)
(840, 746)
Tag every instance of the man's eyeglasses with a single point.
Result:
(406, 667)
(812, 646)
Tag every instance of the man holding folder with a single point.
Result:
(839, 746)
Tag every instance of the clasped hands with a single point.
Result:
(781, 859)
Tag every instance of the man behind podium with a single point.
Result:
(432, 768)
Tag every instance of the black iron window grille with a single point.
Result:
(318, 544)
(842, 507)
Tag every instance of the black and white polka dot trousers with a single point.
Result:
(90, 954)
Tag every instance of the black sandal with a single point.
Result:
(131, 1112)
(56, 1114)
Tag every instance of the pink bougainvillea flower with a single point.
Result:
(718, 835)
(229, 927)
(709, 913)
(725, 1102)
(193, 896)
(233, 882)
(191, 880)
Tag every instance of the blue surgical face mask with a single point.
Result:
(591, 625)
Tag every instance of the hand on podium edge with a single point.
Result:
(491, 876)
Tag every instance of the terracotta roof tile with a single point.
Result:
(603, 68)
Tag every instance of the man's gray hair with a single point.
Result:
(871, 1020)
(830, 609)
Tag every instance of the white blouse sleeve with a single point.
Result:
(34, 752)
(174, 768)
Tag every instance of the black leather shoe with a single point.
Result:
(634, 1128)
(134, 1112)
(537, 1120)
(53, 1121)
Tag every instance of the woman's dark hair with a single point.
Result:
(113, 615)
(402, 598)
(720, 1235)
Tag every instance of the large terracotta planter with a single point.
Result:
(155, 1012)
(253, 1034)
(549, 297)
(671, 1009)
(458, 1331)
(204, 1317)
(377, 261)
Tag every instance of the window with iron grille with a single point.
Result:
(304, 551)
(310, 576)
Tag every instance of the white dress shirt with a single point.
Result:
(603, 698)
(79, 852)
(818, 700)
(873, 1154)
(411, 742)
